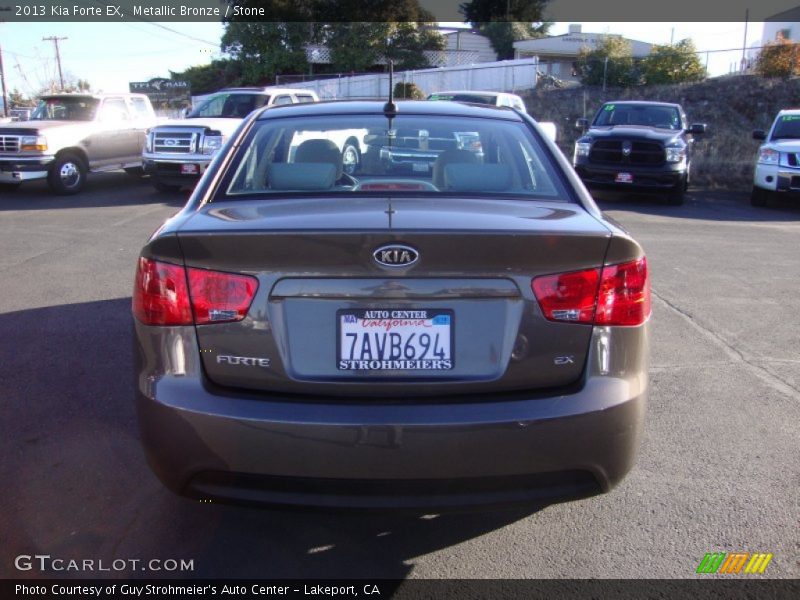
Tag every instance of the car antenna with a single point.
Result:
(390, 108)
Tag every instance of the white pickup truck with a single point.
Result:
(178, 152)
(68, 135)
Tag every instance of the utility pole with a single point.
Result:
(744, 43)
(3, 85)
(55, 41)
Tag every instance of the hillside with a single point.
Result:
(732, 107)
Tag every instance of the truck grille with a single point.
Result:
(178, 142)
(9, 143)
(641, 153)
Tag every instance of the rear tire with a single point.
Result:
(759, 196)
(67, 174)
(164, 187)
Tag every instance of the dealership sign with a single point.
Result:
(162, 90)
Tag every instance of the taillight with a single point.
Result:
(615, 295)
(218, 297)
(568, 296)
(160, 294)
(167, 294)
(624, 296)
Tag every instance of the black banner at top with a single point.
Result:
(397, 10)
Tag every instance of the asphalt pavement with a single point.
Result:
(718, 468)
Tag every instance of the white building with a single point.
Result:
(464, 40)
(558, 54)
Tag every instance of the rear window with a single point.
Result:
(66, 109)
(466, 97)
(371, 154)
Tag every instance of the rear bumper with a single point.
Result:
(226, 445)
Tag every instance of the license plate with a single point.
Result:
(395, 340)
(624, 177)
(188, 169)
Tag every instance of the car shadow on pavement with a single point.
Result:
(77, 485)
(707, 205)
(101, 190)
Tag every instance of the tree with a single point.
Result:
(503, 34)
(394, 29)
(71, 84)
(779, 59)
(610, 63)
(677, 63)
(266, 49)
(204, 79)
(506, 21)
(485, 11)
(407, 42)
(361, 45)
(17, 98)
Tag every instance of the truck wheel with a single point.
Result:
(67, 175)
(677, 195)
(164, 187)
(759, 196)
(351, 157)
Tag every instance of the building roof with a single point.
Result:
(569, 44)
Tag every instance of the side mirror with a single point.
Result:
(696, 128)
(582, 124)
(760, 135)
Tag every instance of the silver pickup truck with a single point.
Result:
(69, 135)
(178, 152)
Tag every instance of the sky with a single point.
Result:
(109, 55)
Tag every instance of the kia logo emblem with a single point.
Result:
(395, 255)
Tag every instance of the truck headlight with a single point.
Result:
(212, 143)
(582, 148)
(768, 156)
(36, 143)
(676, 152)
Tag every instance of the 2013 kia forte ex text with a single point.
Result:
(448, 323)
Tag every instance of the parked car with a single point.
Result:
(479, 97)
(777, 165)
(69, 135)
(472, 335)
(495, 99)
(635, 145)
(178, 152)
(21, 113)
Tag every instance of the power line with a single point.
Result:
(164, 27)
